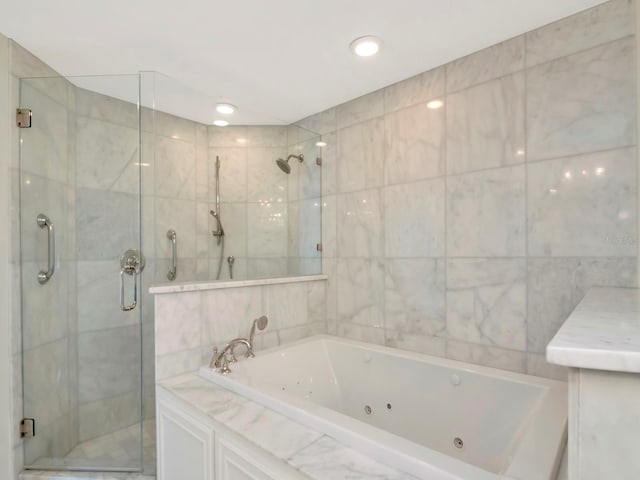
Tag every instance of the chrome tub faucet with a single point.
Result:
(227, 355)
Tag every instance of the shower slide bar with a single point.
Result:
(171, 274)
(45, 222)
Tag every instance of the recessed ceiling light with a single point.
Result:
(366, 46)
(321, 144)
(435, 104)
(241, 140)
(225, 108)
(220, 123)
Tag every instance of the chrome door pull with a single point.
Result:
(171, 275)
(131, 263)
(45, 222)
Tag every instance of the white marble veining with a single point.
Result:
(486, 213)
(485, 125)
(360, 109)
(361, 291)
(602, 333)
(360, 156)
(359, 228)
(414, 140)
(414, 219)
(493, 62)
(582, 103)
(561, 191)
(420, 88)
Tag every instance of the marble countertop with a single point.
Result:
(602, 333)
(312, 453)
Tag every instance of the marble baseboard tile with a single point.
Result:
(492, 62)
(488, 356)
(609, 21)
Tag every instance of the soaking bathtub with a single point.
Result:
(428, 416)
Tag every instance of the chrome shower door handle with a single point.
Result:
(131, 263)
(44, 222)
(171, 274)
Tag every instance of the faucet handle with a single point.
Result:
(224, 369)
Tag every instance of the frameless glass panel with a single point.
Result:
(80, 211)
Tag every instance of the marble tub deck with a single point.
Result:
(314, 454)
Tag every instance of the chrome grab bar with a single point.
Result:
(44, 221)
(132, 263)
(171, 275)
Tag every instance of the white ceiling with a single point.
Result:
(277, 60)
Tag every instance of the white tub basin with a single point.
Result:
(428, 416)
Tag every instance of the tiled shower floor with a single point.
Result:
(117, 449)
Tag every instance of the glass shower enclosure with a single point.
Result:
(81, 275)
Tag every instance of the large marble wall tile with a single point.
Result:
(309, 233)
(582, 103)
(420, 88)
(175, 171)
(106, 108)
(329, 154)
(98, 212)
(204, 225)
(202, 166)
(361, 156)
(98, 304)
(174, 127)
(267, 136)
(234, 221)
(109, 363)
(487, 301)
(485, 125)
(609, 21)
(44, 148)
(414, 219)
(329, 225)
(286, 305)
(105, 416)
(267, 267)
(294, 334)
(416, 342)
(321, 123)
(48, 369)
(229, 313)
(24, 64)
(492, 62)
(361, 333)
(583, 206)
(309, 174)
(107, 156)
(316, 295)
(359, 227)
(172, 364)
(267, 230)
(361, 292)
(362, 108)
(178, 215)
(488, 356)
(177, 325)
(330, 268)
(556, 286)
(486, 213)
(265, 181)
(293, 229)
(233, 174)
(231, 136)
(414, 144)
(415, 296)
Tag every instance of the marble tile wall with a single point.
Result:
(189, 324)
(472, 230)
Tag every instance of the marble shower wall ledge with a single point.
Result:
(189, 323)
(472, 231)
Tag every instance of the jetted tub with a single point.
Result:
(431, 417)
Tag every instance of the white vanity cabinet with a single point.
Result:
(191, 446)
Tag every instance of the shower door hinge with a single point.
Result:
(27, 427)
(319, 247)
(319, 161)
(23, 117)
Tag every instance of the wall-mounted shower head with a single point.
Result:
(284, 164)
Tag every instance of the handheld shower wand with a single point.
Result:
(219, 232)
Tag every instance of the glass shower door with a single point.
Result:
(80, 198)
